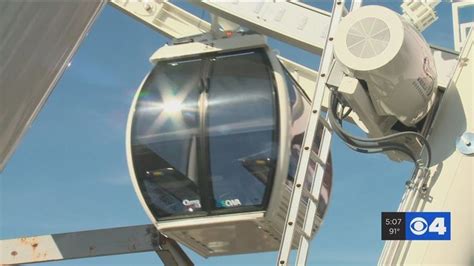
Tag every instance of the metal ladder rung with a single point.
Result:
(308, 157)
(302, 233)
(308, 194)
(319, 161)
(326, 124)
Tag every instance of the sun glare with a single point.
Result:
(172, 106)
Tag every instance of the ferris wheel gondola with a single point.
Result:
(213, 140)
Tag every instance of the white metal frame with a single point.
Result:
(459, 30)
(252, 14)
(448, 184)
(308, 141)
(166, 53)
(23, 94)
(291, 22)
(177, 23)
(356, 4)
(170, 20)
(420, 13)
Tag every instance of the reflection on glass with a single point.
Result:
(242, 129)
(204, 135)
(164, 138)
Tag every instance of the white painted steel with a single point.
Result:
(168, 52)
(303, 162)
(356, 4)
(304, 243)
(10, 138)
(420, 13)
(293, 22)
(305, 76)
(464, 170)
(168, 19)
(460, 29)
(73, 245)
(449, 184)
(33, 34)
(373, 41)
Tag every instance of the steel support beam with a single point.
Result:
(295, 23)
(37, 42)
(94, 243)
(25, 43)
(448, 185)
(163, 16)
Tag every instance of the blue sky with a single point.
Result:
(69, 173)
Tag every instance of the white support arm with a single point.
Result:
(175, 22)
(36, 48)
(94, 243)
(295, 23)
(185, 24)
(307, 31)
(460, 30)
(421, 12)
(306, 77)
(165, 17)
(161, 16)
(355, 4)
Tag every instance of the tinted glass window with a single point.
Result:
(204, 135)
(242, 129)
(165, 133)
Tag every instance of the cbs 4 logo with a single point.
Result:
(419, 226)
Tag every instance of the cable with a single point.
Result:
(346, 114)
(374, 145)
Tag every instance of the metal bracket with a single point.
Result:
(465, 143)
(169, 250)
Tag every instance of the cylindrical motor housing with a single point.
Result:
(380, 47)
